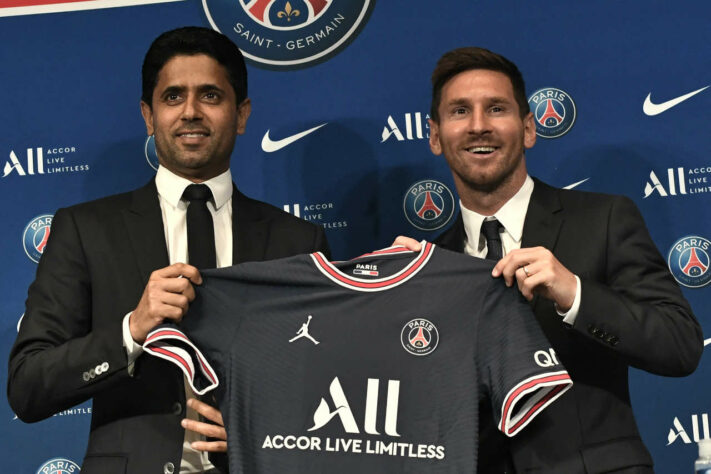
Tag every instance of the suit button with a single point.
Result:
(105, 366)
(177, 408)
(592, 329)
(613, 340)
(168, 468)
(86, 376)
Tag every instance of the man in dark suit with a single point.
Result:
(597, 284)
(115, 268)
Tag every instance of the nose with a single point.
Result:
(191, 108)
(479, 121)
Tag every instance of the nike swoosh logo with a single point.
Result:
(653, 109)
(707, 342)
(571, 186)
(269, 145)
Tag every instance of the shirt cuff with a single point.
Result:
(133, 350)
(570, 315)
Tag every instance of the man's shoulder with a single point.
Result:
(104, 207)
(576, 197)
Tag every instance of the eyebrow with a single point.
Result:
(466, 101)
(201, 89)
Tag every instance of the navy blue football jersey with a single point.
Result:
(372, 365)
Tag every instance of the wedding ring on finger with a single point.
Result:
(525, 270)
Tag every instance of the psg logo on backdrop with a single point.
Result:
(419, 337)
(59, 466)
(553, 111)
(689, 261)
(149, 149)
(428, 204)
(289, 34)
(35, 236)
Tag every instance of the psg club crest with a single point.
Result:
(59, 466)
(689, 261)
(289, 34)
(428, 205)
(149, 149)
(35, 236)
(553, 111)
(419, 337)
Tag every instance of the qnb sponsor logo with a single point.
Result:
(679, 181)
(279, 34)
(428, 205)
(546, 358)
(321, 213)
(324, 415)
(36, 235)
(678, 431)
(410, 126)
(554, 112)
(58, 466)
(42, 161)
(689, 261)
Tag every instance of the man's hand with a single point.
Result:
(209, 430)
(536, 270)
(407, 242)
(167, 295)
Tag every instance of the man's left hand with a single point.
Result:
(537, 271)
(209, 430)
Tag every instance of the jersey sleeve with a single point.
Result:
(519, 368)
(168, 342)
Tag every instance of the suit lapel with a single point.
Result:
(250, 232)
(454, 237)
(144, 224)
(543, 219)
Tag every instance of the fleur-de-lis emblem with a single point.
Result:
(288, 12)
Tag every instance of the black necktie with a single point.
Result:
(491, 230)
(201, 231)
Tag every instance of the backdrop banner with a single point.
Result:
(339, 136)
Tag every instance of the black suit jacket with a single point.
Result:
(69, 349)
(632, 313)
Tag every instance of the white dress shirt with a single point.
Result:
(511, 216)
(173, 210)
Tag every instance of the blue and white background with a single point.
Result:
(72, 131)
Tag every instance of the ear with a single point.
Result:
(243, 111)
(529, 131)
(147, 113)
(435, 145)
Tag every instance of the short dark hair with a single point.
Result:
(465, 59)
(190, 41)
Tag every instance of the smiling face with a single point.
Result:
(482, 134)
(194, 117)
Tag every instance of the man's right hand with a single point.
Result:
(166, 297)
